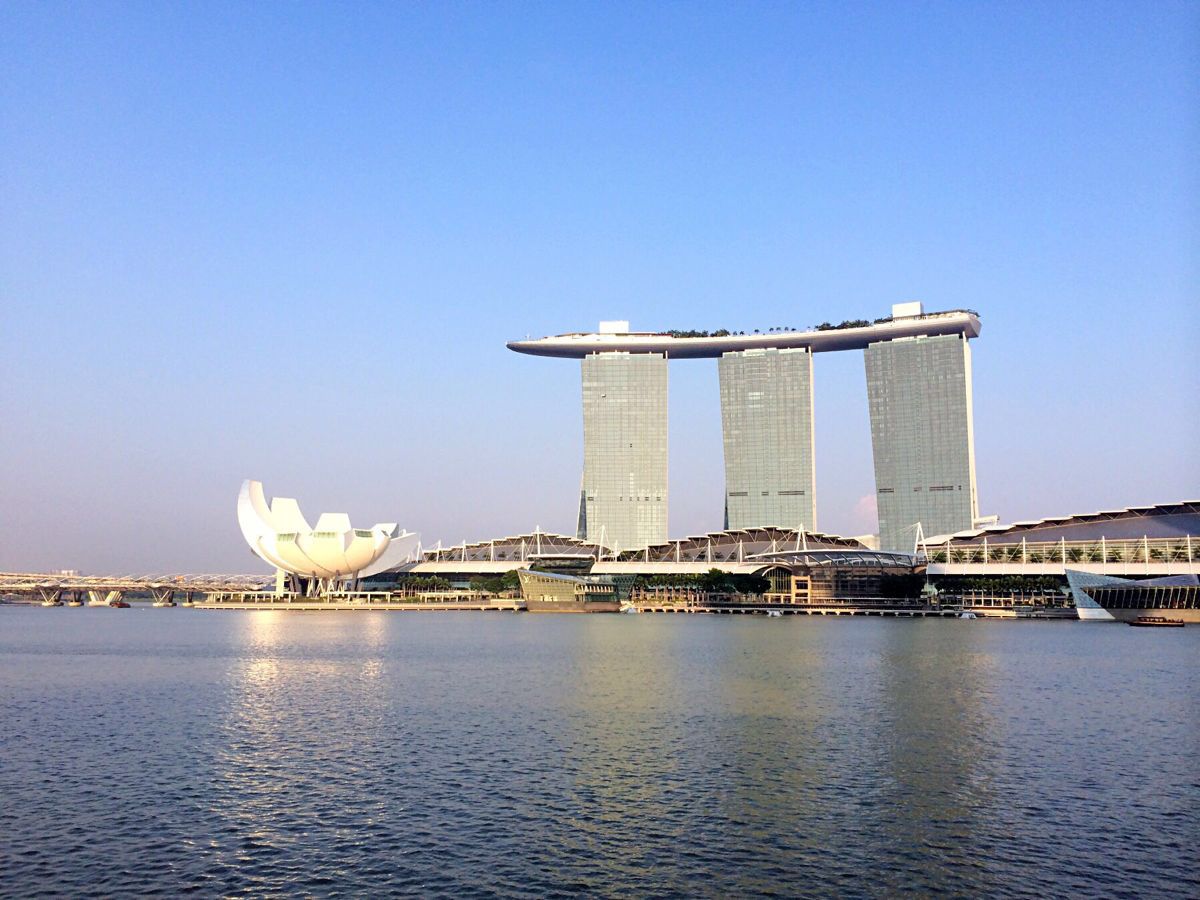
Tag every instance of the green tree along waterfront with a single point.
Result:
(713, 581)
(415, 583)
(421, 583)
(954, 583)
(499, 584)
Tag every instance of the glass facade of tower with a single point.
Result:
(623, 501)
(919, 395)
(767, 427)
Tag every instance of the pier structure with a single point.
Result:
(919, 383)
(425, 601)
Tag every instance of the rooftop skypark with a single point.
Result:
(783, 329)
(852, 334)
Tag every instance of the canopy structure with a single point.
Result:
(323, 556)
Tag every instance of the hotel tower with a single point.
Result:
(918, 391)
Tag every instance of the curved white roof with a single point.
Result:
(281, 536)
(579, 345)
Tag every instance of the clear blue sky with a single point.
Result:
(288, 241)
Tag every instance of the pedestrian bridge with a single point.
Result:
(100, 590)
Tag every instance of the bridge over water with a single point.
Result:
(101, 590)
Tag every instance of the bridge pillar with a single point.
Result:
(50, 593)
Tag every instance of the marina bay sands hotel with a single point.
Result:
(918, 391)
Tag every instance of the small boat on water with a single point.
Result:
(118, 604)
(774, 614)
(967, 614)
(1157, 622)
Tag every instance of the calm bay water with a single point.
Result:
(269, 753)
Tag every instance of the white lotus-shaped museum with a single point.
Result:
(332, 552)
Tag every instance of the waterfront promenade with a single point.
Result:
(207, 592)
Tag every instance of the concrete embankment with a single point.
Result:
(494, 606)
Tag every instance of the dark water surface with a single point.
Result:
(458, 754)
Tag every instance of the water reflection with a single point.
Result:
(623, 699)
(373, 635)
(299, 691)
(934, 740)
(261, 629)
(470, 754)
(770, 755)
(784, 747)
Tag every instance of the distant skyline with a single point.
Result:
(289, 243)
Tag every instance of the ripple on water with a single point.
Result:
(543, 756)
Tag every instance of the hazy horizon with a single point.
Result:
(289, 244)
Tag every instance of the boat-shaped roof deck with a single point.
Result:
(581, 344)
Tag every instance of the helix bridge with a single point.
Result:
(101, 590)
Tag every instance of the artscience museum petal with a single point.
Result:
(333, 551)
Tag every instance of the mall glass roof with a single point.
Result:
(841, 558)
